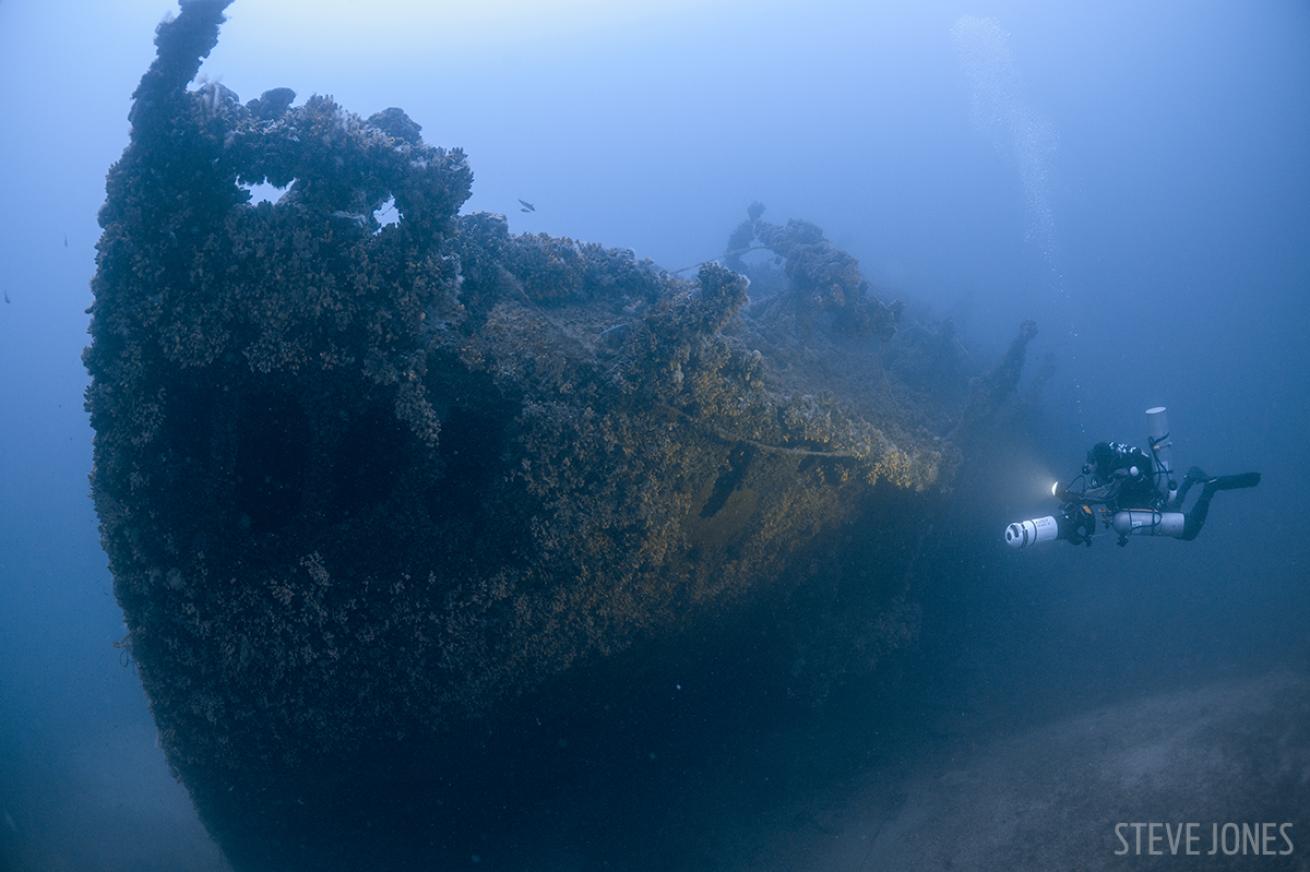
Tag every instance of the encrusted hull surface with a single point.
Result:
(364, 486)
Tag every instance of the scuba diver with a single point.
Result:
(1131, 491)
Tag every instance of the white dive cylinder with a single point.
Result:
(1021, 534)
(1157, 428)
(1144, 522)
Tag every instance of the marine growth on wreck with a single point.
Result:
(361, 484)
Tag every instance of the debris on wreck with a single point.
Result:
(358, 482)
(829, 276)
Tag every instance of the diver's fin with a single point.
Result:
(1233, 482)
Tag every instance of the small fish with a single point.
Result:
(6, 296)
(527, 207)
(65, 240)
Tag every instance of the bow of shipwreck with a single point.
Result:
(364, 485)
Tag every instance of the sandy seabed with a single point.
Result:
(1051, 796)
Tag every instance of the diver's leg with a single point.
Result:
(1194, 475)
(1195, 519)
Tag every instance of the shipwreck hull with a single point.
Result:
(373, 494)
